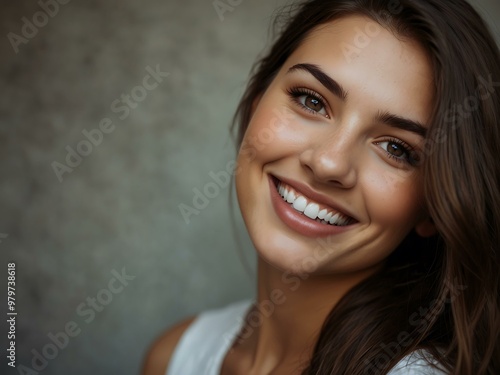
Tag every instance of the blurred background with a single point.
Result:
(114, 121)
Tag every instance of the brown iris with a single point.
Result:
(313, 103)
(395, 149)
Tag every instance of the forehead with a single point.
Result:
(387, 73)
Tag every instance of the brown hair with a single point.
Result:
(440, 294)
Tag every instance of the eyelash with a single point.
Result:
(411, 156)
(297, 92)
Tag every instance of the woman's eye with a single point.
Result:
(312, 103)
(399, 151)
(395, 149)
(309, 100)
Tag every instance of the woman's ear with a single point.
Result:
(426, 228)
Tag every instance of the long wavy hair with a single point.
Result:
(439, 294)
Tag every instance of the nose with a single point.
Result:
(331, 159)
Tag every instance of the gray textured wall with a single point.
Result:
(119, 207)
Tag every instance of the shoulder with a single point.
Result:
(417, 363)
(160, 352)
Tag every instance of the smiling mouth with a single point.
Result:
(311, 209)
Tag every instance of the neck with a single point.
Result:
(285, 323)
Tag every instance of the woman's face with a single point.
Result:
(340, 127)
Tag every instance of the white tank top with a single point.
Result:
(205, 343)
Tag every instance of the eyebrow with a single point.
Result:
(336, 89)
(402, 123)
(333, 86)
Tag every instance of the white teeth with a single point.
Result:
(300, 204)
(312, 210)
(333, 219)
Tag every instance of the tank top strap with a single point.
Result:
(203, 346)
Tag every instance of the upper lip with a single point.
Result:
(308, 192)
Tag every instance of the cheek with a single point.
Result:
(273, 131)
(257, 148)
(394, 201)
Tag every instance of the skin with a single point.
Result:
(341, 151)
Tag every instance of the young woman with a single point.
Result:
(368, 179)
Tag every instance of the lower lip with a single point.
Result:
(299, 222)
